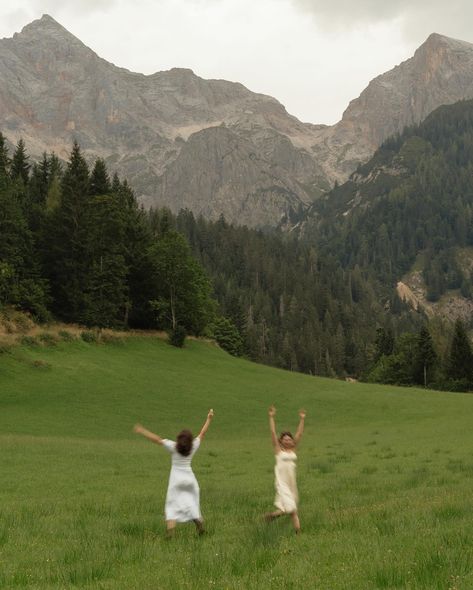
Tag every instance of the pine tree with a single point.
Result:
(67, 235)
(425, 357)
(54, 171)
(20, 281)
(460, 360)
(99, 179)
(4, 164)
(105, 289)
(227, 336)
(384, 342)
(20, 169)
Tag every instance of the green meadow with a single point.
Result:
(385, 475)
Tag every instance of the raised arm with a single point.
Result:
(272, 428)
(149, 435)
(206, 425)
(300, 428)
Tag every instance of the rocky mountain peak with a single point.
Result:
(440, 72)
(436, 41)
(46, 26)
(440, 52)
(239, 152)
(46, 34)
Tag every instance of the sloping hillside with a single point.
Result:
(409, 208)
(384, 474)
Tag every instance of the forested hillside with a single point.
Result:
(75, 246)
(408, 212)
(414, 196)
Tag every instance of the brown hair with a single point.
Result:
(184, 443)
(285, 433)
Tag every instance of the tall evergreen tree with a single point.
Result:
(4, 164)
(55, 173)
(460, 359)
(105, 287)
(425, 357)
(20, 282)
(67, 235)
(99, 179)
(20, 168)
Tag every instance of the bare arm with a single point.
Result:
(149, 435)
(300, 428)
(206, 425)
(272, 428)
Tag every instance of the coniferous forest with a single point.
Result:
(75, 246)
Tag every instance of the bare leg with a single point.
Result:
(170, 528)
(295, 522)
(199, 525)
(272, 515)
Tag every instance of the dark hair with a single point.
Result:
(184, 443)
(285, 433)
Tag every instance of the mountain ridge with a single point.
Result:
(56, 90)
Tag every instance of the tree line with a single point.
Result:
(411, 203)
(76, 246)
(415, 359)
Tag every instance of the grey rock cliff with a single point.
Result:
(158, 130)
(440, 72)
(209, 145)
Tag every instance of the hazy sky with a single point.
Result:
(314, 56)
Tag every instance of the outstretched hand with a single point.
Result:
(138, 429)
(302, 414)
(272, 412)
(210, 415)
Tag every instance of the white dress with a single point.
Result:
(182, 499)
(287, 496)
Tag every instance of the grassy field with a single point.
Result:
(385, 475)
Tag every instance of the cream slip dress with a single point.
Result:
(287, 496)
(182, 498)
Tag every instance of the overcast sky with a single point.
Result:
(314, 56)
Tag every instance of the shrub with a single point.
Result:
(177, 336)
(5, 348)
(23, 322)
(227, 336)
(457, 385)
(29, 341)
(48, 339)
(89, 336)
(111, 339)
(66, 336)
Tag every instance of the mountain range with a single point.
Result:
(211, 146)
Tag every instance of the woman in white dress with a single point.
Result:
(287, 497)
(182, 499)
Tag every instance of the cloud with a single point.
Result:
(312, 55)
(416, 18)
(78, 7)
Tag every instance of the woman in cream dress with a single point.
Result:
(183, 495)
(284, 447)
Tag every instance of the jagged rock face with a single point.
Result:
(209, 145)
(439, 73)
(217, 170)
(54, 89)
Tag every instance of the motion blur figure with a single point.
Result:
(284, 446)
(183, 495)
